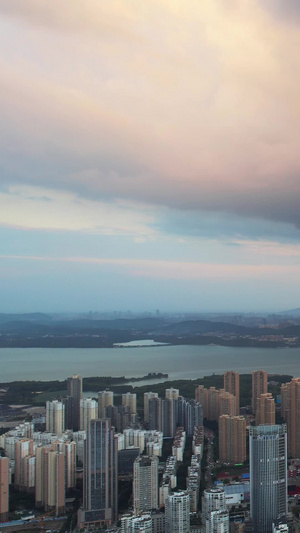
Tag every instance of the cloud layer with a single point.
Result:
(148, 143)
(188, 106)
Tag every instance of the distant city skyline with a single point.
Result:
(149, 156)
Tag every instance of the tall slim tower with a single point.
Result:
(232, 385)
(75, 390)
(4, 483)
(147, 397)
(268, 475)
(232, 439)
(201, 397)
(145, 483)
(100, 482)
(259, 386)
(177, 512)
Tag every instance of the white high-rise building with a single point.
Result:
(134, 437)
(55, 417)
(177, 512)
(218, 522)
(136, 524)
(88, 412)
(145, 483)
(172, 394)
(215, 517)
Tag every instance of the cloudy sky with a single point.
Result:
(150, 155)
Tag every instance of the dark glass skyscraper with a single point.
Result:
(100, 487)
(75, 391)
(268, 475)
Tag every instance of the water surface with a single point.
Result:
(180, 362)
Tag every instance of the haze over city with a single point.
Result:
(150, 155)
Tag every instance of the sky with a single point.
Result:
(149, 155)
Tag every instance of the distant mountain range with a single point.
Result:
(38, 329)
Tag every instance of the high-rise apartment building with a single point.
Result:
(100, 482)
(265, 410)
(268, 475)
(227, 403)
(290, 397)
(4, 485)
(105, 399)
(156, 414)
(145, 483)
(172, 394)
(148, 396)
(177, 512)
(190, 414)
(68, 449)
(28, 473)
(232, 385)
(259, 386)
(129, 400)
(169, 416)
(88, 412)
(201, 397)
(50, 480)
(232, 439)
(68, 402)
(55, 417)
(23, 448)
(74, 385)
(213, 404)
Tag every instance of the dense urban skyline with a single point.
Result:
(149, 155)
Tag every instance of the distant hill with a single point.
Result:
(291, 312)
(28, 317)
(38, 329)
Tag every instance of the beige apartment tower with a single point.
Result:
(265, 412)
(23, 448)
(88, 412)
(201, 397)
(4, 484)
(232, 385)
(232, 439)
(129, 400)
(55, 417)
(259, 386)
(227, 403)
(291, 400)
(50, 480)
(105, 399)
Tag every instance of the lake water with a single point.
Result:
(180, 362)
